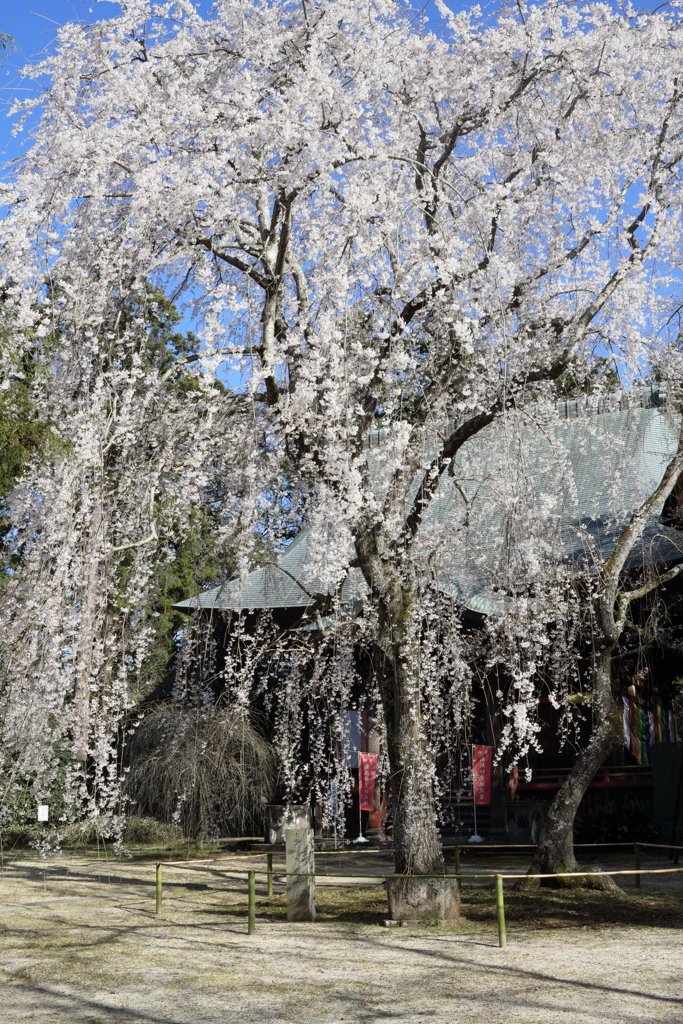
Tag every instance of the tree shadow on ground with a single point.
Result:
(544, 908)
(577, 907)
(367, 905)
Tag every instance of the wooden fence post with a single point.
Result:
(500, 910)
(252, 902)
(159, 894)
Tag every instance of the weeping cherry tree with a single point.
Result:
(373, 221)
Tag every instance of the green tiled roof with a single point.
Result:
(572, 480)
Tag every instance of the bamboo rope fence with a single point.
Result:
(498, 878)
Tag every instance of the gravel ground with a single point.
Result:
(81, 945)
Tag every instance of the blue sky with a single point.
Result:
(34, 23)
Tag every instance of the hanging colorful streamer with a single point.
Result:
(642, 728)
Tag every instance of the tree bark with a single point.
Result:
(417, 846)
(555, 849)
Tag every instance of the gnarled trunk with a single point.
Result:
(555, 850)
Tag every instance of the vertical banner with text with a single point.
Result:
(483, 761)
(367, 769)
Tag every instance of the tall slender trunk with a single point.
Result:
(555, 850)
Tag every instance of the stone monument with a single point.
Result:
(300, 888)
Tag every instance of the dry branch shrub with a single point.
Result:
(204, 767)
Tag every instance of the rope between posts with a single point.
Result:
(488, 874)
(461, 846)
(238, 873)
(583, 874)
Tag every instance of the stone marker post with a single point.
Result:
(300, 888)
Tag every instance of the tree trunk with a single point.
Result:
(555, 850)
(417, 846)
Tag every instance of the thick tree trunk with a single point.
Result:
(417, 847)
(555, 850)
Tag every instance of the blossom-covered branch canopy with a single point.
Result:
(366, 218)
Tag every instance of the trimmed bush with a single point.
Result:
(625, 822)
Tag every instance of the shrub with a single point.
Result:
(135, 831)
(205, 768)
(150, 832)
(625, 822)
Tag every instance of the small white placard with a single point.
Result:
(43, 812)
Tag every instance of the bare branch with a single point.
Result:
(633, 531)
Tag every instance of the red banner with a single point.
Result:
(483, 761)
(367, 769)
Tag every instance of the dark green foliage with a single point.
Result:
(159, 343)
(23, 436)
(19, 825)
(201, 561)
(20, 440)
(628, 821)
(202, 558)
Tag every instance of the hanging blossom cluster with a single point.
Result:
(88, 528)
(535, 648)
(567, 479)
(394, 238)
(309, 682)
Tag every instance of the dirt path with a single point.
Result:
(73, 957)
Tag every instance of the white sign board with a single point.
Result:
(43, 812)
